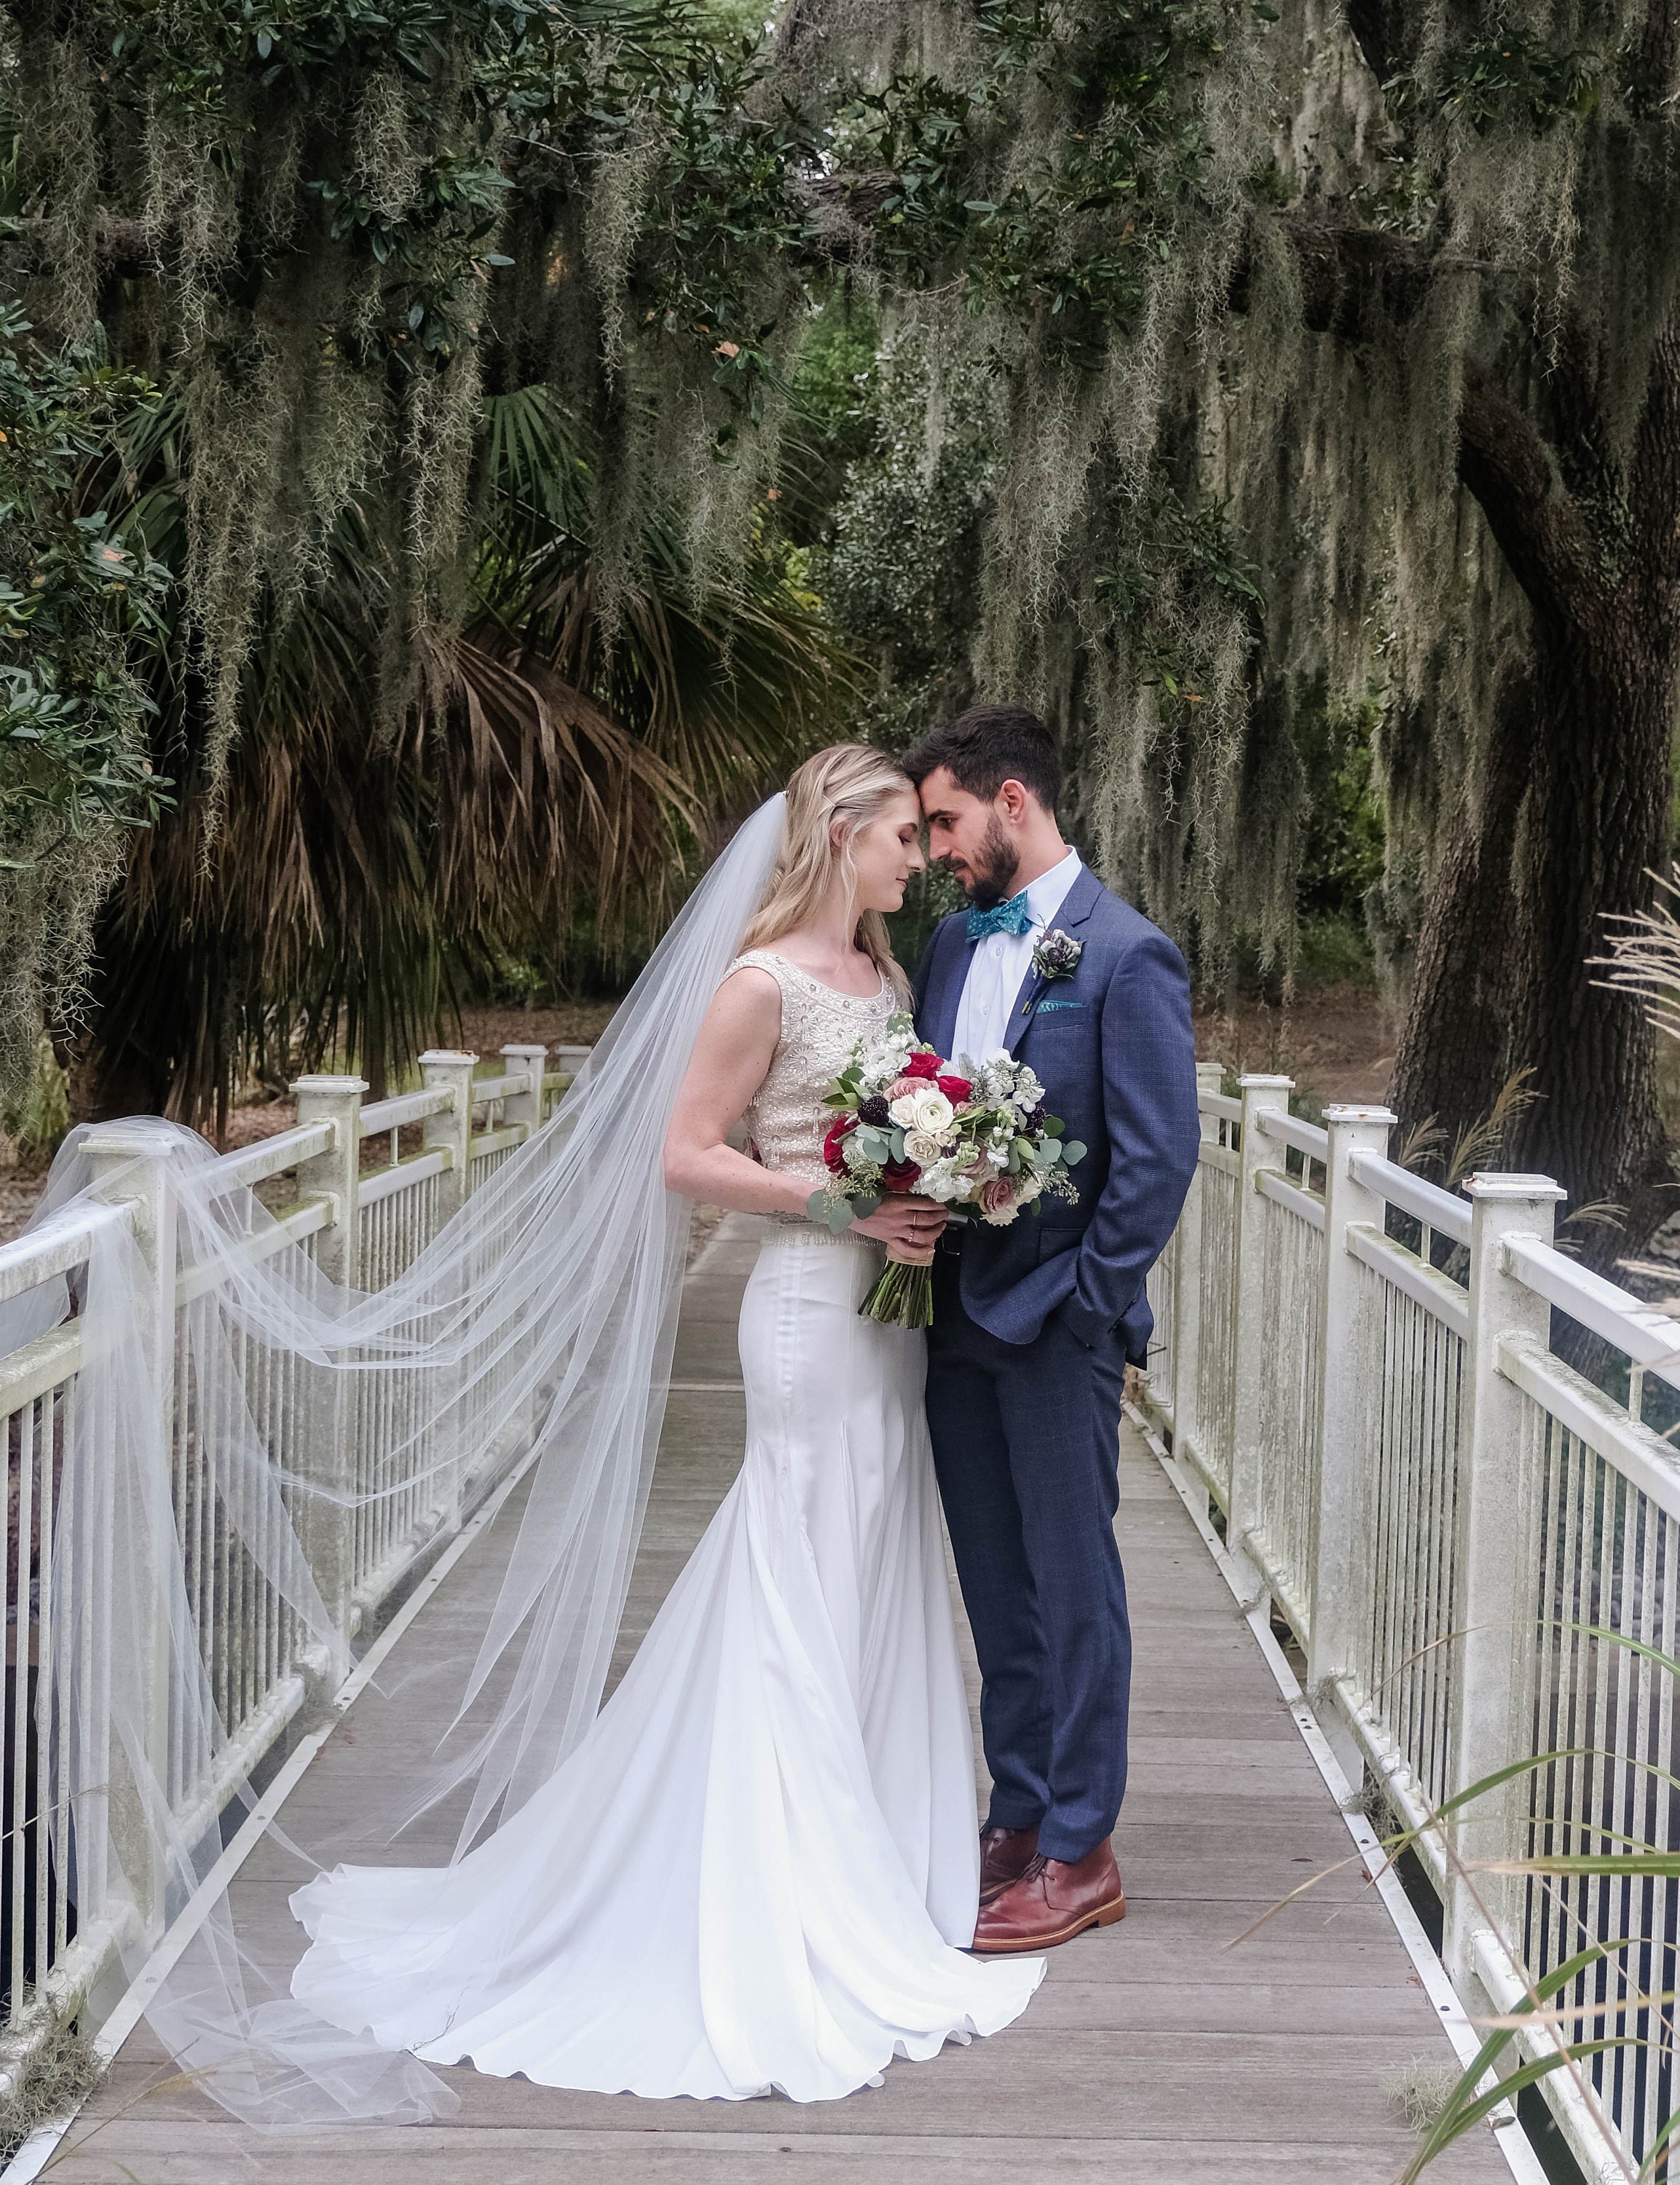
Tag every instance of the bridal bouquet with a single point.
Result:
(977, 1137)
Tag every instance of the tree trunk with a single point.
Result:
(1572, 818)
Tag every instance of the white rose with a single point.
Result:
(922, 1147)
(926, 1109)
(1028, 1186)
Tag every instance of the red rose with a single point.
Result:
(900, 1176)
(832, 1145)
(922, 1065)
(955, 1089)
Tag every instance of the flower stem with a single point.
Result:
(903, 1297)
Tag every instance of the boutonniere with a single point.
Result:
(1057, 955)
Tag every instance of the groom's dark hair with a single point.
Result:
(988, 745)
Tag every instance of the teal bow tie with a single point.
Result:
(1011, 917)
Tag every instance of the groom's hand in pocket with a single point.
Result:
(909, 1227)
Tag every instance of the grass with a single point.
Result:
(52, 2078)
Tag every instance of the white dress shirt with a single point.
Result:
(1001, 963)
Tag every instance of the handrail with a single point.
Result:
(1426, 1202)
(405, 1176)
(1306, 1205)
(1426, 1285)
(505, 1087)
(1308, 1138)
(404, 1108)
(1220, 1104)
(1651, 1338)
(62, 1242)
(254, 1164)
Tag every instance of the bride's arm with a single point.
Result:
(731, 1057)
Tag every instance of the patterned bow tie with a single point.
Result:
(1011, 917)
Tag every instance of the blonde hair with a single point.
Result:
(850, 785)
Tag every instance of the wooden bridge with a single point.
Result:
(1167, 2050)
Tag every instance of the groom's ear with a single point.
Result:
(1014, 802)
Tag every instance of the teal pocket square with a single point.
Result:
(1043, 1006)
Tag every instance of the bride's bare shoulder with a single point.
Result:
(750, 996)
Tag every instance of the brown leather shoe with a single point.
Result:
(1005, 1857)
(1053, 1900)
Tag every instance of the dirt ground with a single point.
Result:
(1336, 1042)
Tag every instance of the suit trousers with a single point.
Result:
(1026, 1446)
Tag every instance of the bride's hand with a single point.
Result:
(908, 1226)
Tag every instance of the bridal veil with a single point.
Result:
(544, 1309)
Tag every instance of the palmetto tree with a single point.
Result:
(385, 826)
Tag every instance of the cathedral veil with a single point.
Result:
(544, 1309)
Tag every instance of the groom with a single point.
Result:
(1034, 1324)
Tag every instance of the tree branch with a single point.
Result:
(1503, 463)
(1353, 278)
(1358, 284)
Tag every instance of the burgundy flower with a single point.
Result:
(900, 1176)
(923, 1065)
(874, 1110)
(956, 1090)
(834, 1144)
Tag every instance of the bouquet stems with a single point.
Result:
(903, 1297)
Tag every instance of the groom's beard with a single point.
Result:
(993, 870)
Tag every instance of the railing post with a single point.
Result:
(1341, 1567)
(1496, 1552)
(526, 1106)
(132, 1167)
(1254, 1329)
(335, 1173)
(451, 1068)
(327, 1519)
(1187, 1287)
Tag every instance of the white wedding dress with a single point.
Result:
(758, 1869)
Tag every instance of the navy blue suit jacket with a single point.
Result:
(1113, 1048)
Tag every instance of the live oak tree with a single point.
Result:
(1246, 369)
(1334, 366)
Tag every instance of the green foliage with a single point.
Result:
(1514, 76)
(77, 602)
(540, 805)
(454, 334)
(897, 576)
(1075, 231)
(1343, 838)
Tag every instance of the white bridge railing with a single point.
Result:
(362, 1224)
(1358, 1367)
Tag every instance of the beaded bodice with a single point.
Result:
(786, 1120)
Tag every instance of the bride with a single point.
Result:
(758, 1869)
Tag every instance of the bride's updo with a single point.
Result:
(830, 798)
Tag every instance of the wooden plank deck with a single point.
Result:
(1154, 2054)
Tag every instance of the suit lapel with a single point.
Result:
(950, 971)
(1077, 905)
